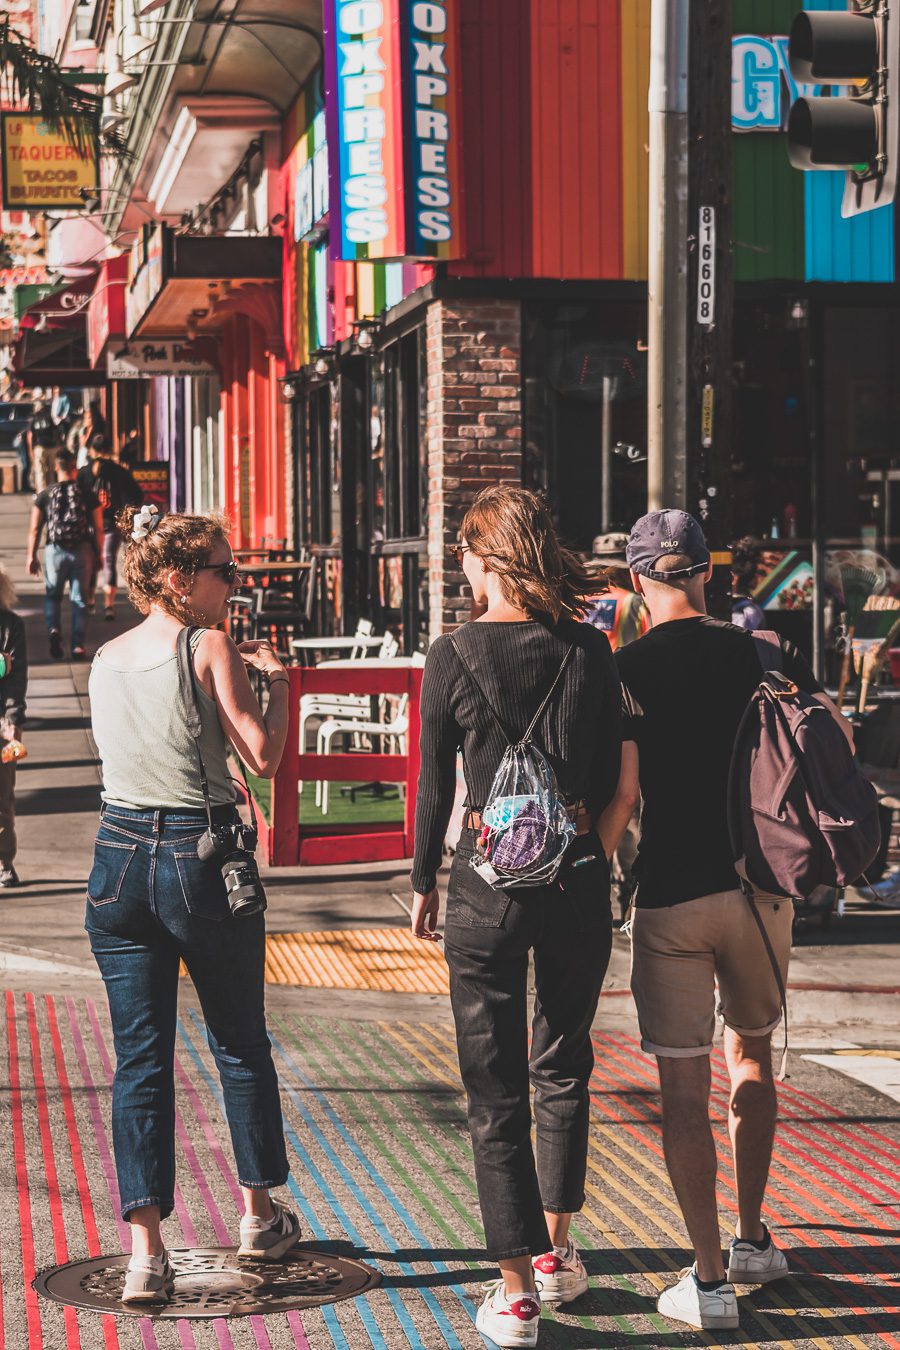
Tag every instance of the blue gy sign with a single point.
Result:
(762, 86)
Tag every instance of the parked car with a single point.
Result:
(14, 417)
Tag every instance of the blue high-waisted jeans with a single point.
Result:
(151, 903)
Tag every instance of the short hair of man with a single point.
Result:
(99, 444)
(674, 562)
(64, 459)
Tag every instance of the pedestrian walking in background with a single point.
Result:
(115, 489)
(619, 612)
(745, 612)
(685, 687)
(43, 442)
(73, 522)
(482, 687)
(132, 449)
(155, 898)
(13, 687)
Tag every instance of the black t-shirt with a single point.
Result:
(685, 687)
(113, 486)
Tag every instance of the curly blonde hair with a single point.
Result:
(7, 590)
(510, 529)
(179, 543)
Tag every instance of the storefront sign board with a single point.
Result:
(311, 185)
(147, 274)
(43, 170)
(152, 476)
(393, 125)
(137, 360)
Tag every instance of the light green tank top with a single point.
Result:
(147, 756)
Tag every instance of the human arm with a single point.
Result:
(257, 737)
(16, 682)
(604, 769)
(437, 788)
(614, 820)
(35, 530)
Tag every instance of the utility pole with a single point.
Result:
(710, 321)
(668, 256)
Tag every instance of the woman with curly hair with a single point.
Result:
(154, 900)
(482, 686)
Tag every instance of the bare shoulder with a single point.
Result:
(214, 650)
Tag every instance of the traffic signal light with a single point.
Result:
(856, 129)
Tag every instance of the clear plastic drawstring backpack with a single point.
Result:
(525, 824)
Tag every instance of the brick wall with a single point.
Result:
(474, 429)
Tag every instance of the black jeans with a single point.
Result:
(488, 936)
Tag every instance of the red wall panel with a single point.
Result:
(542, 144)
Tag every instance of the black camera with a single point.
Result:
(232, 846)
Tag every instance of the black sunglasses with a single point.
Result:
(456, 551)
(227, 571)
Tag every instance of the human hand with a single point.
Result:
(260, 655)
(34, 566)
(424, 916)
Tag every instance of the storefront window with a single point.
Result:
(320, 467)
(206, 487)
(585, 414)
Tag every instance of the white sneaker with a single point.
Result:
(149, 1279)
(269, 1241)
(704, 1309)
(560, 1279)
(748, 1265)
(509, 1321)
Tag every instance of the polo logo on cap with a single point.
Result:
(668, 543)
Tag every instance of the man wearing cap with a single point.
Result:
(686, 685)
(618, 612)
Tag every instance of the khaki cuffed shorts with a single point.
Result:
(682, 954)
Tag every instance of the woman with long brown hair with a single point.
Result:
(482, 686)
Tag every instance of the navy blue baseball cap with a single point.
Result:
(661, 534)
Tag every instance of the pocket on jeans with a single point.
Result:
(471, 901)
(203, 887)
(111, 862)
(584, 878)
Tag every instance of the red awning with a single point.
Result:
(64, 308)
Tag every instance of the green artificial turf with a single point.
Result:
(367, 809)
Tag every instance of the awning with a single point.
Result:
(180, 281)
(106, 310)
(51, 347)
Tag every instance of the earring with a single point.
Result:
(184, 599)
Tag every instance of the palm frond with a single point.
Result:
(33, 80)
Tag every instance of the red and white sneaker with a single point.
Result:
(509, 1322)
(561, 1279)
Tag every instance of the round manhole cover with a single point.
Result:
(214, 1282)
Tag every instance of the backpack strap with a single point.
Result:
(776, 971)
(769, 650)
(510, 736)
(550, 692)
(529, 732)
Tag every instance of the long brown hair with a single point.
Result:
(510, 529)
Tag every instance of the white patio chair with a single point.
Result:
(340, 705)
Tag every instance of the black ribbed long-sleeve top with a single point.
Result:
(515, 664)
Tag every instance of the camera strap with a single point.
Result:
(193, 720)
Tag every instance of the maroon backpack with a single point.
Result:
(800, 812)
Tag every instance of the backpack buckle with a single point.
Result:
(784, 688)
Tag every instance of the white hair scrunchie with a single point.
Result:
(145, 521)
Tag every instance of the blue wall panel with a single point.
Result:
(859, 249)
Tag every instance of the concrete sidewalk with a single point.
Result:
(375, 1117)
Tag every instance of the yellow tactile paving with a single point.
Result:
(388, 960)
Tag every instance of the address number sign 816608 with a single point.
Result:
(706, 267)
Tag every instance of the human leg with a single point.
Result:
(79, 582)
(54, 585)
(7, 815)
(487, 939)
(570, 960)
(110, 578)
(690, 1154)
(141, 982)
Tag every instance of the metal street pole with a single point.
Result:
(668, 261)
